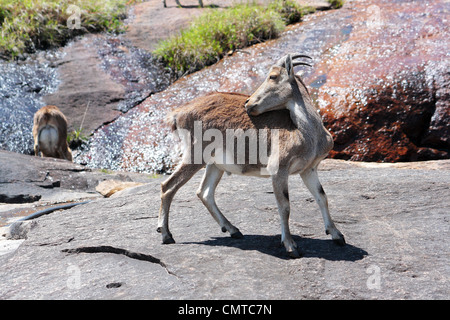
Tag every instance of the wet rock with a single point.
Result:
(22, 86)
(379, 77)
(386, 86)
(93, 80)
(139, 73)
(86, 91)
(438, 133)
(102, 77)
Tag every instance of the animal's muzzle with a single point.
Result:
(247, 107)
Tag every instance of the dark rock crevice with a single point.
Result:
(120, 251)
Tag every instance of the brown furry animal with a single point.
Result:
(279, 117)
(50, 133)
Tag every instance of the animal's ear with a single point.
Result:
(281, 62)
(289, 67)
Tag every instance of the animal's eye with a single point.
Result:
(273, 76)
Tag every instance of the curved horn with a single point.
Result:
(296, 56)
(282, 61)
(298, 63)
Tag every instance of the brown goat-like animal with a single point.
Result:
(50, 133)
(280, 115)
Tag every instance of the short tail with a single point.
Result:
(171, 120)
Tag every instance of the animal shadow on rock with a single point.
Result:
(308, 248)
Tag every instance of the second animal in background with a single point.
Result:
(50, 133)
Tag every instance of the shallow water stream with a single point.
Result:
(22, 86)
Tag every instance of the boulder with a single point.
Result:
(87, 95)
(384, 89)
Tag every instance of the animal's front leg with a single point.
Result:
(281, 191)
(311, 180)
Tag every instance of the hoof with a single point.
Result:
(337, 237)
(237, 235)
(294, 254)
(168, 240)
(340, 241)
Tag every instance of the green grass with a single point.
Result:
(28, 25)
(215, 33)
(76, 138)
(336, 4)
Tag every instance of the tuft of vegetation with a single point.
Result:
(290, 11)
(217, 32)
(336, 4)
(76, 139)
(28, 25)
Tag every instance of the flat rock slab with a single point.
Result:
(29, 184)
(395, 221)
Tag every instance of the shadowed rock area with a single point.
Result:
(394, 218)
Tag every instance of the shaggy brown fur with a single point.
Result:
(222, 111)
(50, 133)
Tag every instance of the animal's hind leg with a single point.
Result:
(36, 145)
(36, 150)
(206, 191)
(311, 180)
(182, 174)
